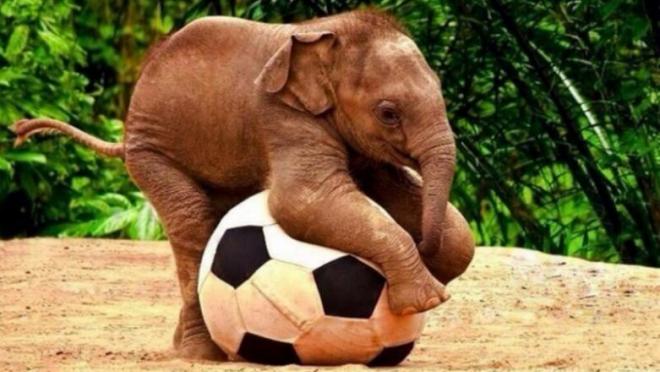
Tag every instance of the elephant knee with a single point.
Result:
(456, 251)
(460, 243)
(289, 212)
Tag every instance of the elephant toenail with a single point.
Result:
(409, 311)
(432, 302)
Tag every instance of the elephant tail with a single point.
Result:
(27, 127)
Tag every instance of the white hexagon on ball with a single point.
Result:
(271, 299)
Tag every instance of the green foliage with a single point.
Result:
(554, 104)
(51, 186)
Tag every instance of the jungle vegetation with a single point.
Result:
(555, 107)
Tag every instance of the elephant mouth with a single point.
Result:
(402, 159)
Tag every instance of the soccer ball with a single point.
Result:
(270, 299)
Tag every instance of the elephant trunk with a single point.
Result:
(437, 160)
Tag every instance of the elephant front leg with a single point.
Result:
(400, 193)
(314, 199)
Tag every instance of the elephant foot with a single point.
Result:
(417, 295)
(197, 346)
(200, 348)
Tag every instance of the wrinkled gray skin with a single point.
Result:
(323, 113)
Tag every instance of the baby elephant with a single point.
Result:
(327, 114)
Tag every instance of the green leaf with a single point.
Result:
(50, 111)
(638, 26)
(57, 44)
(147, 226)
(79, 183)
(77, 229)
(55, 229)
(5, 166)
(610, 7)
(116, 200)
(8, 113)
(486, 109)
(25, 156)
(9, 74)
(17, 42)
(95, 206)
(629, 90)
(114, 223)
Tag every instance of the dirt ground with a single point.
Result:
(81, 304)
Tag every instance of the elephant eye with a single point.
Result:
(387, 113)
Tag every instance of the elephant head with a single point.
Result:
(369, 81)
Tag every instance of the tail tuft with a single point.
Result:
(17, 128)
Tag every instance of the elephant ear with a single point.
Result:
(298, 72)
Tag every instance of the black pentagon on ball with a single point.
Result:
(348, 287)
(241, 251)
(391, 356)
(263, 350)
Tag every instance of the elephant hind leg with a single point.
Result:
(401, 196)
(189, 217)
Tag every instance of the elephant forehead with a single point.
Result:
(401, 46)
(401, 58)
